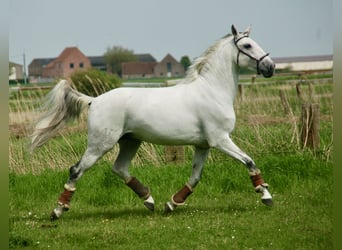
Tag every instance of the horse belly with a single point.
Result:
(173, 137)
(167, 129)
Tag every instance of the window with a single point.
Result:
(71, 65)
(169, 67)
(81, 65)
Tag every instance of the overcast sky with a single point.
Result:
(43, 28)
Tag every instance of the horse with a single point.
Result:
(198, 111)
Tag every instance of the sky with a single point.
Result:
(43, 28)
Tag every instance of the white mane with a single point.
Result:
(202, 63)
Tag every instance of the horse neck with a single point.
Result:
(221, 70)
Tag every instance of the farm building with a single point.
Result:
(67, 62)
(167, 67)
(304, 63)
(45, 69)
(138, 69)
(15, 71)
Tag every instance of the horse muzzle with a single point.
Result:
(266, 67)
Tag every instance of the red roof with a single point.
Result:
(64, 55)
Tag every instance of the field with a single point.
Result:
(223, 212)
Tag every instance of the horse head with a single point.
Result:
(250, 54)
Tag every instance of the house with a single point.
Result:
(138, 69)
(98, 62)
(304, 63)
(35, 68)
(167, 67)
(70, 60)
(15, 71)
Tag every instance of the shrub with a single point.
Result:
(94, 82)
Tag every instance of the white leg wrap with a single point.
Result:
(59, 210)
(69, 187)
(150, 199)
(170, 206)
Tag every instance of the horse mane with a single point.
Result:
(198, 65)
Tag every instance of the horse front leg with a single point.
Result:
(227, 146)
(179, 198)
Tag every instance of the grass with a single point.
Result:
(223, 213)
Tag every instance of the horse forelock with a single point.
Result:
(200, 62)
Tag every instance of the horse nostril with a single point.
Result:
(271, 67)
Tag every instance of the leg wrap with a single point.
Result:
(258, 181)
(65, 197)
(180, 197)
(138, 188)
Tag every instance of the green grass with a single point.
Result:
(222, 213)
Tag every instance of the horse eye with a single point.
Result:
(247, 46)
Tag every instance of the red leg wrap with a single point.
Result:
(257, 180)
(65, 197)
(180, 197)
(138, 188)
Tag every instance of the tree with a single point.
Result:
(185, 61)
(115, 56)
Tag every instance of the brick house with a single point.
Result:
(168, 67)
(138, 69)
(35, 68)
(67, 62)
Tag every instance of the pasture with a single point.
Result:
(223, 213)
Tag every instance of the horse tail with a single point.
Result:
(63, 104)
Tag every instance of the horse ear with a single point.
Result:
(234, 31)
(247, 31)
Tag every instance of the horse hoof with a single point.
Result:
(267, 202)
(169, 207)
(149, 205)
(53, 216)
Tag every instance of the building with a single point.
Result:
(146, 60)
(304, 63)
(35, 68)
(70, 60)
(167, 67)
(98, 62)
(138, 69)
(16, 71)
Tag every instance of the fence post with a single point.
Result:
(310, 126)
(299, 91)
(174, 154)
(240, 87)
(284, 101)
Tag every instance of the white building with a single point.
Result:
(305, 63)
(16, 71)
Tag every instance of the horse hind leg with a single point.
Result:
(89, 158)
(128, 148)
(179, 198)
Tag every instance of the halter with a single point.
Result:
(252, 57)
